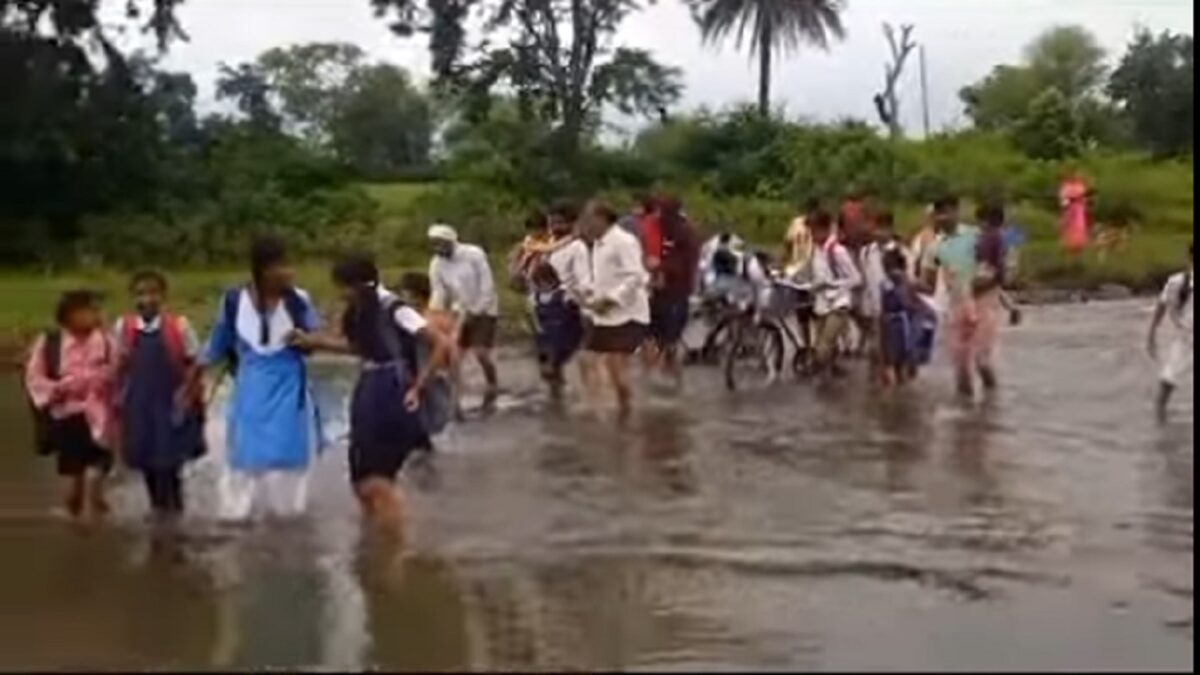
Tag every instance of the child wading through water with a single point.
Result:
(869, 300)
(438, 406)
(835, 277)
(907, 323)
(618, 302)
(995, 255)
(161, 396)
(385, 424)
(69, 377)
(1177, 301)
(558, 325)
(272, 429)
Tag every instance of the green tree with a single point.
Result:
(770, 25)
(1000, 100)
(77, 129)
(382, 125)
(1050, 129)
(1066, 60)
(1069, 59)
(308, 80)
(1155, 87)
(558, 59)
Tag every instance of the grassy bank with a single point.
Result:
(27, 298)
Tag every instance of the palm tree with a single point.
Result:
(770, 24)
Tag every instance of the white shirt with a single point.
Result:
(249, 323)
(838, 291)
(619, 275)
(406, 318)
(1181, 315)
(463, 282)
(573, 265)
(871, 298)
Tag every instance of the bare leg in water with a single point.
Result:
(382, 505)
(93, 505)
(73, 495)
(484, 356)
(617, 366)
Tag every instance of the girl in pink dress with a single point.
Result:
(1073, 226)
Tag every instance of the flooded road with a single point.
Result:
(1050, 529)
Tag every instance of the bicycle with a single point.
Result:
(758, 336)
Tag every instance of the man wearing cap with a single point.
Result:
(462, 284)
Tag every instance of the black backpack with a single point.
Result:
(43, 441)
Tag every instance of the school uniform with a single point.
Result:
(383, 432)
(836, 277)
(618, 274)
(272, 430)
(559, 326)
(160, 432)
(81, 420)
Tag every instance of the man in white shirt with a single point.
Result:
(835, 278)
(618, 300)
(463, 285)
(1177, 301)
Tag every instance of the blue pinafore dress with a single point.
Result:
(158, 436)
(383, 432)
(559, 324)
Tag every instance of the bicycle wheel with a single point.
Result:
(755, 356)
(716, 344)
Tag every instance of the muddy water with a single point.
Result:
(1052, 528)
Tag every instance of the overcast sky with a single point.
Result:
(964, 40)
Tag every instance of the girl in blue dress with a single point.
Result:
(272, 433)
(385, 421)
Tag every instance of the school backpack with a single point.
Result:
(43, 442)
(437, 399)
(171, 328)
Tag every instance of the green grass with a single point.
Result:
(27, 298)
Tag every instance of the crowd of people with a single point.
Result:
(601, 289)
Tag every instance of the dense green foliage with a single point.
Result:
(1063, 100)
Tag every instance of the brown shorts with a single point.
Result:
(623, 339)
(830, 329)
(478, 332)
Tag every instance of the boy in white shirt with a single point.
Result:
(618, 299)
(835, 278)
(1176, 301)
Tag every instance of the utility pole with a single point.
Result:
(924, 92)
